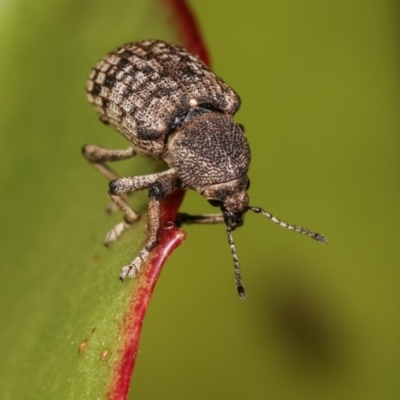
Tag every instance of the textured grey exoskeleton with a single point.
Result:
(170, 106)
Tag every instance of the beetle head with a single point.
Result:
(232, 198)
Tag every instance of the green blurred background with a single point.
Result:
(320, 89)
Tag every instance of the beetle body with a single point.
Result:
(170, 106)
(150, 89)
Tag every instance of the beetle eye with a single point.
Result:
(215, 203)
(248, 185)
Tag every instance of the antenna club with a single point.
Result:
(321, 238)
(241, 293)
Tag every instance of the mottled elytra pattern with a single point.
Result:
(142, 88)
(170, 106)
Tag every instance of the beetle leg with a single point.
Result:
(98, 156)
(183, 218)
(130, 216)
(158, 190)
(119, 187)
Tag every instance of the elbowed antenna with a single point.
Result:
(236, 266)
(313, 235)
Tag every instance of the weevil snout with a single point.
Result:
(233, 200)
(233, 221)
(234, 209)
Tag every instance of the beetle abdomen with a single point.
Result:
(142, 87)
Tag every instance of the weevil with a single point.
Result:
(171, 107)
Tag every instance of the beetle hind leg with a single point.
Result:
(98, 156)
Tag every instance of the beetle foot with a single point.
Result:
(116, 232)
(130, 271)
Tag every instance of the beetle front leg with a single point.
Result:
(157, 192)
(120, 187)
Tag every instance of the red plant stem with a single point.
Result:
(188, 30)
(169, 236)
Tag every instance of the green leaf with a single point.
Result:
(70, 328)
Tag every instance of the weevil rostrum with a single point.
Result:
(171, 107)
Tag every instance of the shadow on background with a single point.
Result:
(303, 323)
